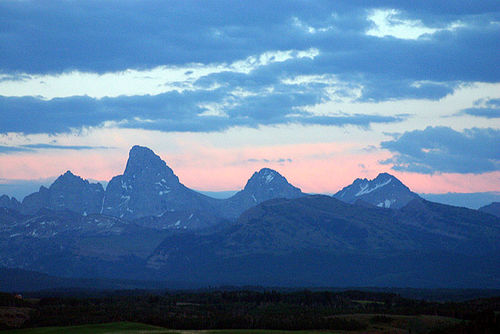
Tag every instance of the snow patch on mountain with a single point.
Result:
(386, 204)
(269, 178)
(365, 189)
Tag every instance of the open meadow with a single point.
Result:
(247, 312)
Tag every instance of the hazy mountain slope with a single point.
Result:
(9, 202)
(492, 209)
(66, 243)
(69, 192)
(467, 200)
(320, 240)
(181, 220)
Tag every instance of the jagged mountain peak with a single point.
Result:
(263, 185)
(142, 153)
(383, 191)
(384, 177)
(9, 202)
(143, 161)
(68, 175)
(71, 182)
(67, 192)
(266, 178)
(366, 186)
(68, 178)
(149, 187)
(380, 177)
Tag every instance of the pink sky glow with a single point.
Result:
(315, 168)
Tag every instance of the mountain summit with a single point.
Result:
(384, 191)
(9, 202)
(143, 163)
(69, 192)
(268, 183)
(264, 185)
(149, 187)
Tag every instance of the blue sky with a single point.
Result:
(346, 88)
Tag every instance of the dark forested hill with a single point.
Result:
(318, 240)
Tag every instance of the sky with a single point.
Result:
(322, 91)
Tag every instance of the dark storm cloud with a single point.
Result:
(442, 149)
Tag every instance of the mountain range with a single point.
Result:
(146, 225)
(148, 187)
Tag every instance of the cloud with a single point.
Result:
(444, 150)
(489, 108)
(33, 147)
(14, 77)
(12, 149)
(280, 161)
(153, 81)
(98, 36)
(251, 100)
(113, 36)
(390, 23)
(483, 112)
(370, 148)
(228, 64)
(64, 147)
(403, 89)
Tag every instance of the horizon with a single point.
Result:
(322, 92)
(470, 200)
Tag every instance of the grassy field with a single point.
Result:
(375, 324)
(115, 327)
(137, 328)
